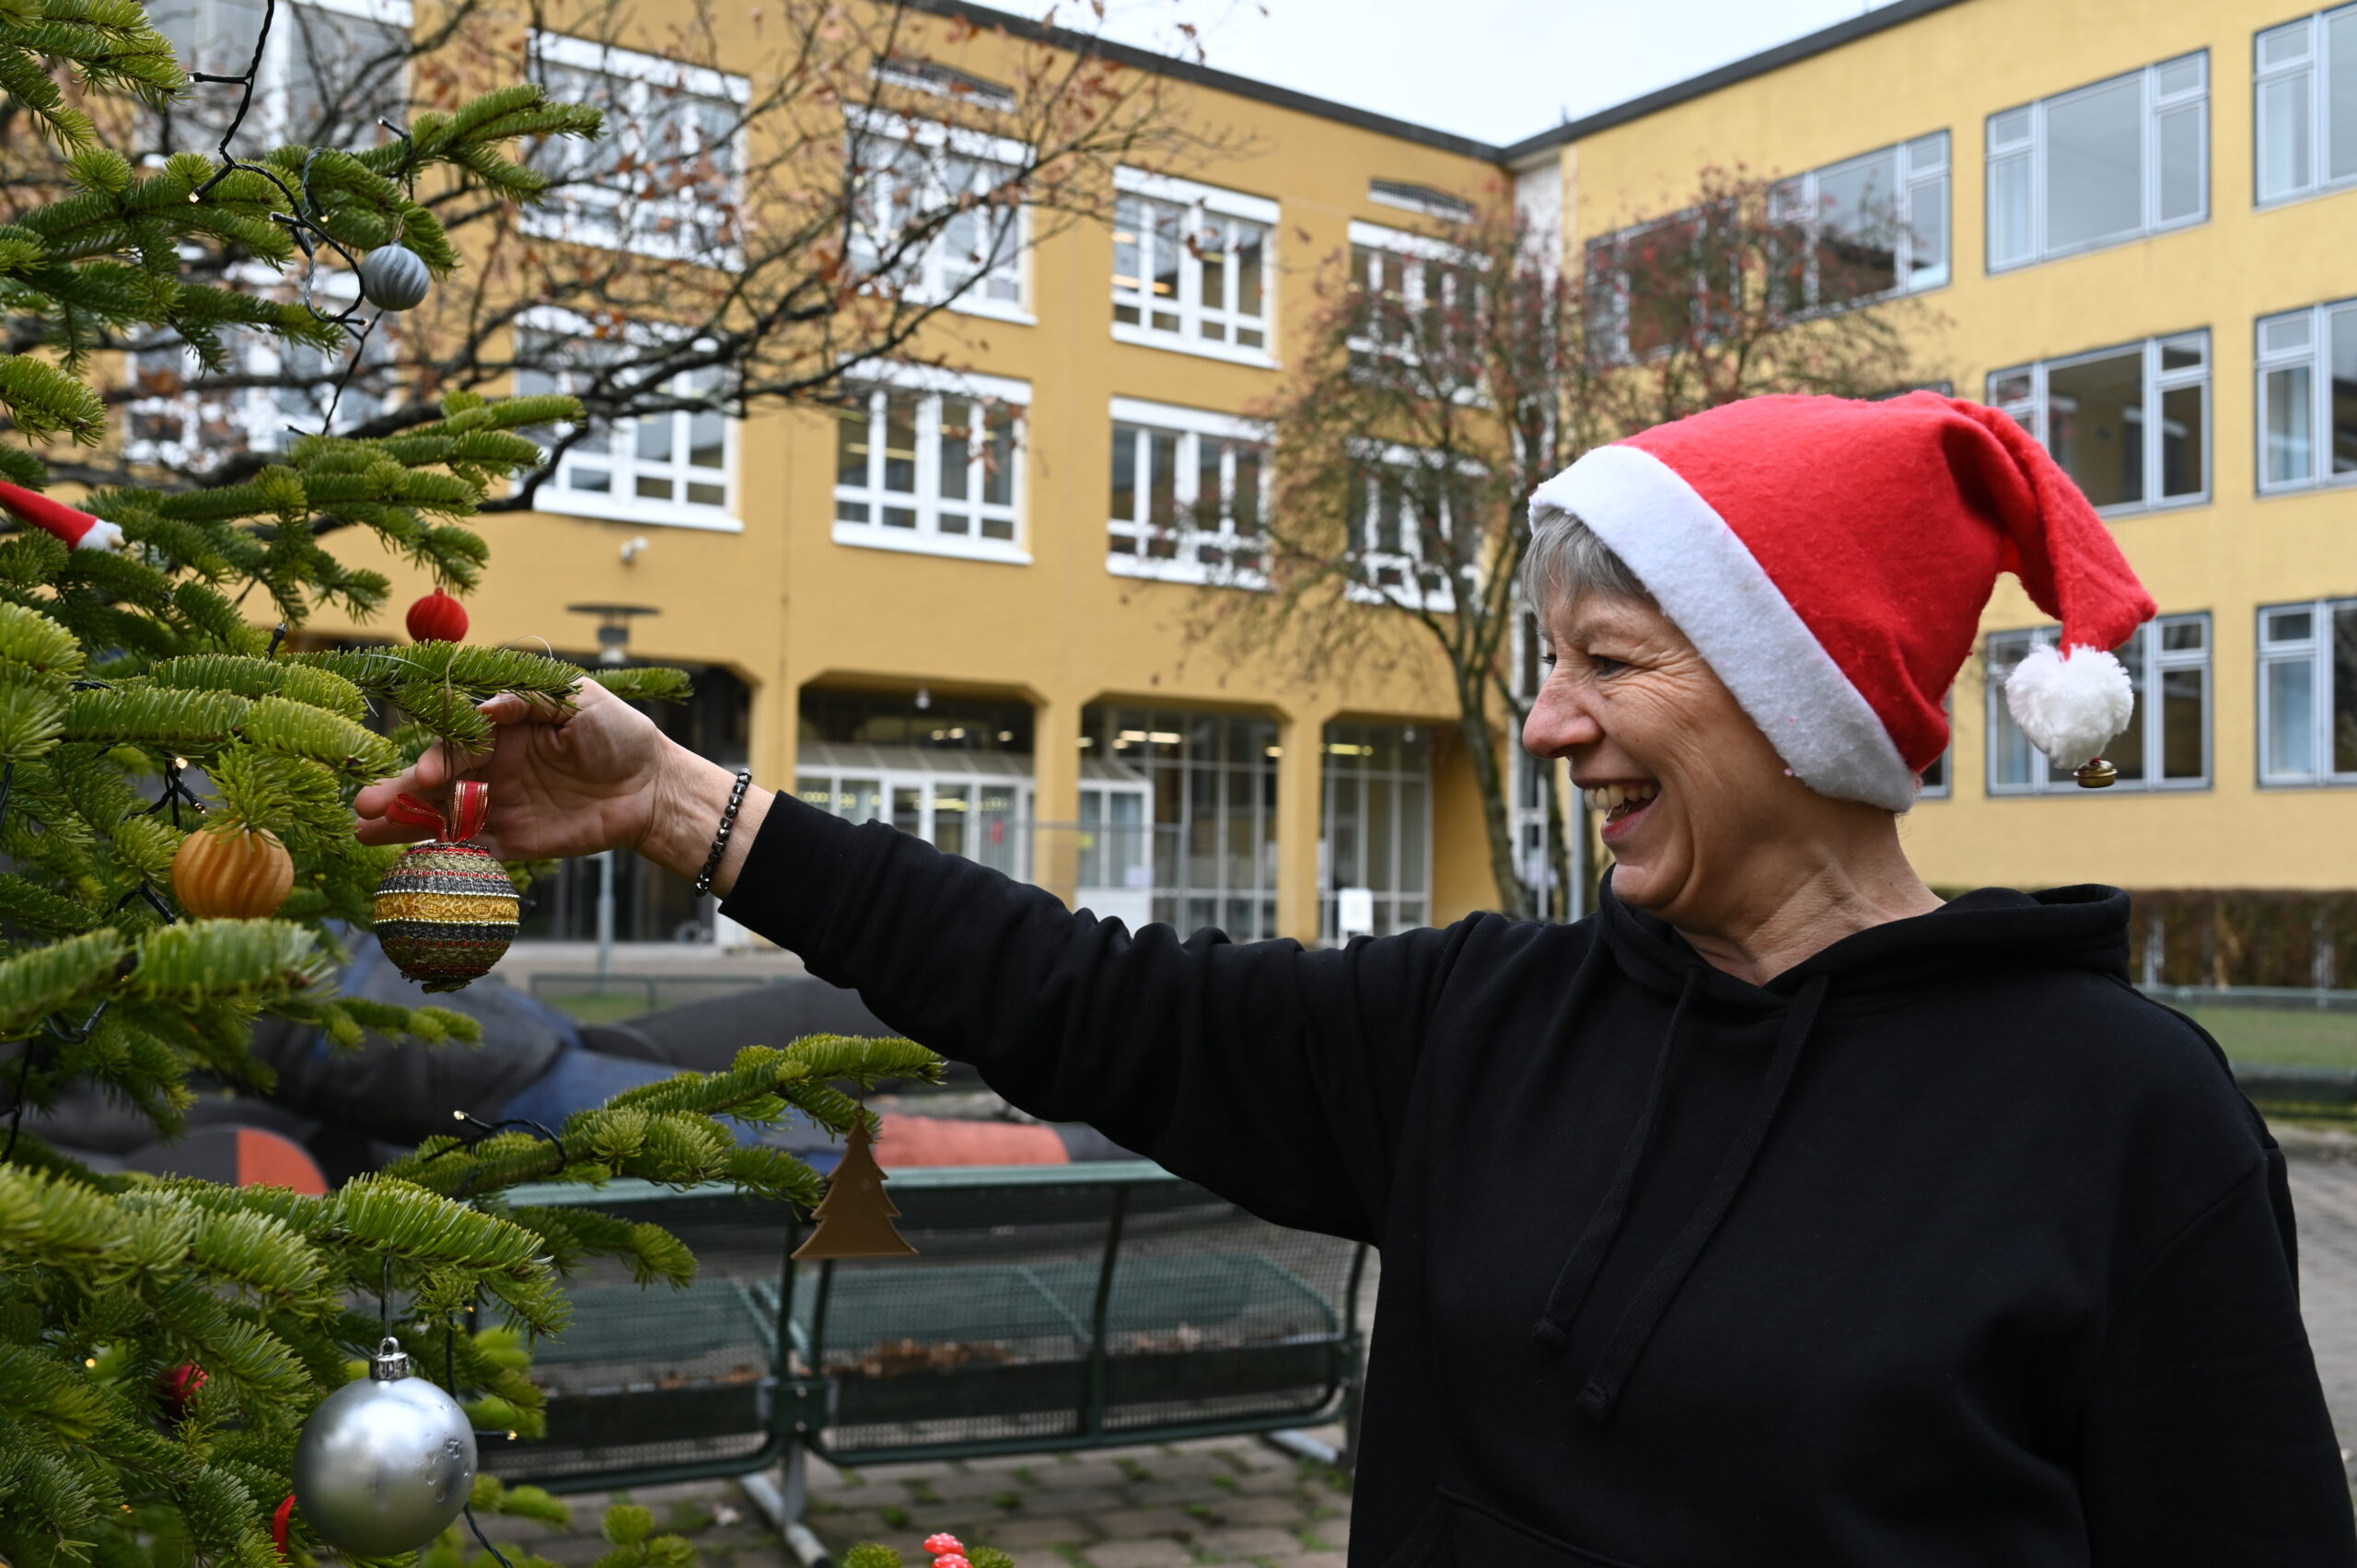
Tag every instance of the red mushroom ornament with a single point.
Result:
(76, 531)
(438, 618)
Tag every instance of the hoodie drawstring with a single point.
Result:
(1586, 1261)
(1645, 1310)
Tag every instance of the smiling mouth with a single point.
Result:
(1619, 802)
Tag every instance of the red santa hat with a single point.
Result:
(77, 530)
(1830, 560)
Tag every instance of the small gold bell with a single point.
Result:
(2097, 774)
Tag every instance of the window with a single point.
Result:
(1190, 489)
(1191, 267)
(664, 178)
(945, 81)
(1378, 830)
(2304, 105)
(1656, 284)
(331, 69)
(1414, 295)
(1866, 227)
(2166, 744)
(2307, 397)
(1212, 780)
(1421, 199)
(2111, 162)
(932, 466)
(972, 804)
(184, 420)
(938, 182)
(1400, 505)
(2097, 413)
(672, 467)
(2307, 693)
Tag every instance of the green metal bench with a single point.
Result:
(1050, 1308)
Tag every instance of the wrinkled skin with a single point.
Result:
(1755, 869)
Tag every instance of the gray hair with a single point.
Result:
(1567, 562)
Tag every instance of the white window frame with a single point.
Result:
(663, 227)
(2007, 150)
(1191, 426)
(1609, 294)
(1421, 260)
(1945, 788)
(933, 386)
(621, 503)
(943, 788)
(2276, 354)
(264, 418)
(1919, 163)
(2315, 651)
(935, 280)
(2308, 73)
(270, 120)
(2030, 412)
(1201, 205)
(1412, 591)
(2046, 780)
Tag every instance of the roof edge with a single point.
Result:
(1821, 42)
(1205, 75)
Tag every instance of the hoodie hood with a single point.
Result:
(2084, 927)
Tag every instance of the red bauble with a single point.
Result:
(179, 1386)
(438, 618)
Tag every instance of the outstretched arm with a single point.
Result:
(1275, 1076)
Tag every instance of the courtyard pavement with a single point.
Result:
(1239, 1501)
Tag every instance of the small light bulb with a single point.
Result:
(91, 1361)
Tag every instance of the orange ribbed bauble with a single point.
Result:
(232, 874)
(438, 618)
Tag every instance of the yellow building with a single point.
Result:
(952, 609)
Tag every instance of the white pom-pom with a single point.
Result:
(2070, 705)
(102, 535)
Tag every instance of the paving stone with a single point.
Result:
(2324, 1198)
(855, 1524)
(914, 1471)
(1023, 1531)
(1260, 1483)
(1077, 1474)
(1005, 1464)
(1309, 1560)
(948, 1483)
(1259, 1543)
(1127, 1522)
(573, 1551)
(1054, 1499)
(1335, 1533)
(1289, 1513)
(1177, 1493)
(1152, 1553)
(769, 1557)
(1199, 1467)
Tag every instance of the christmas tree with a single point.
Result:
(163, 1339)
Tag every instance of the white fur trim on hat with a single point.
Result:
(1707, 581)
(100, 535)
(2070, 705)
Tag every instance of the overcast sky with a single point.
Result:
(1497, 69)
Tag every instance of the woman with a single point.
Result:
(1779, 1213)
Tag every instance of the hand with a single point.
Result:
(561, 784)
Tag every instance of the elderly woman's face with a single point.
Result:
(1685, 781)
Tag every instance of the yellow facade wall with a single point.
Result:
(1951, 69)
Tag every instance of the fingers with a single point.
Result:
(517, 707)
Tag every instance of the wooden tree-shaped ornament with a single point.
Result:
(855, 1217)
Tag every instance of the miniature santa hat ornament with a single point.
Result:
(77, 530)
(1830, 560)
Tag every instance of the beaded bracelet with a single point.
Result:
(720, 840)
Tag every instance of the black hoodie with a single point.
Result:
(1945, 1246)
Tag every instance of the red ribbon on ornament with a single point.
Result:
(470, 805)
(278, 1523)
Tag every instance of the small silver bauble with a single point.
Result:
(385, 1464)
(393, 278)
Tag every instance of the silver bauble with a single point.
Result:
(393, 278)
(385, 1464)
